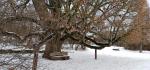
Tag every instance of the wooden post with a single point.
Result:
(95, 54)
(141, 45)
(141, 48)
(35, 59)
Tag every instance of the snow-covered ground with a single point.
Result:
(108, 59)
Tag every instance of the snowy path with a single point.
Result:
(107, 60)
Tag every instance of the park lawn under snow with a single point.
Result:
(108, 59)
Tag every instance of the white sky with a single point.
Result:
(148, 2)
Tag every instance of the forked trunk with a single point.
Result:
(53, 45)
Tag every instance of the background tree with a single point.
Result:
(135, 38)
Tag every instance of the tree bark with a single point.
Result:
(42, 11)
(35, 59)
(53, 45)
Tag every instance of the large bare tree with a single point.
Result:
(92, 23)
(74, 19)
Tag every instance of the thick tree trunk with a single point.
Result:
(52, 46)
(55, 44)
(41, 9)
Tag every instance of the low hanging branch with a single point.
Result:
(18, 38)
(19, 18)
(70, 35)
(10, 34)
(89, 46)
